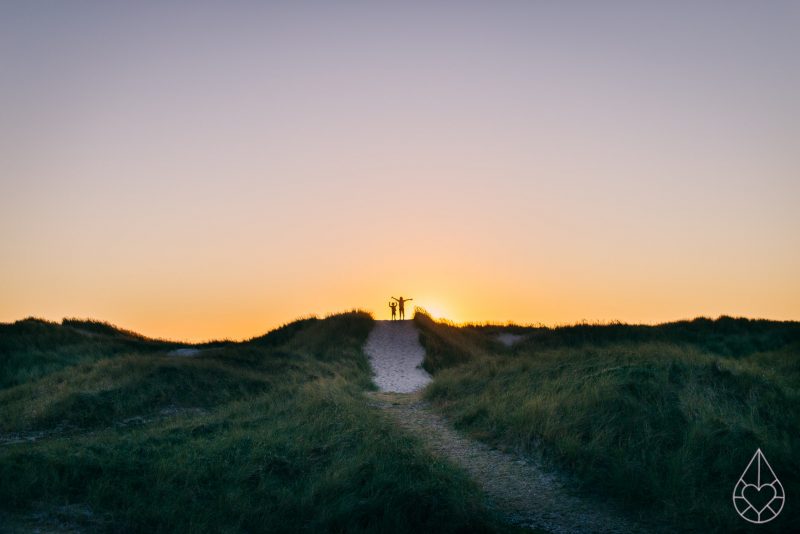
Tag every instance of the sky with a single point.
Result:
(200, 170)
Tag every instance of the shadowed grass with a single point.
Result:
(33, 348)
(285, 442)
(663, 421)
(445, 344)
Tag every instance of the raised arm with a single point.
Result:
(409, 299)
(395, 299)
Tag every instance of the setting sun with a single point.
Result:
(436, 310)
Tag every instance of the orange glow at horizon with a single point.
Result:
(217, 172)
(195, 315)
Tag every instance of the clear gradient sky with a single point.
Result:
(202, 170)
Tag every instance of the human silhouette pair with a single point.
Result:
(398, 307)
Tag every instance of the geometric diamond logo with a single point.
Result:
(758, 495)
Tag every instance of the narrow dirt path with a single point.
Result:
(517, 487)
(396, 356)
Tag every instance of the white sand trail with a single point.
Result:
(519, 488)
(396, 356)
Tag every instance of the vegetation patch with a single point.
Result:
(664, 418)
(273, 434)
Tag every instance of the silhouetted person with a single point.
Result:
(400, 306)
(393, 306)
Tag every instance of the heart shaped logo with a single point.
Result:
(758, 497)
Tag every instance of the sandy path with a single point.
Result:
(518, 488)
(396, 355)
(508, 339)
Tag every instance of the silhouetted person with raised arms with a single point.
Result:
(400, 302)
(393, 306)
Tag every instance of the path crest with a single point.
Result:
(396, 356)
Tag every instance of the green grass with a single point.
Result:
(662, 418)
(269, 435)
(447, 345)
(33, 348)
(275, 434)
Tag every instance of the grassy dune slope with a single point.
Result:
(664, 418)
(33, 348)
(271, 435)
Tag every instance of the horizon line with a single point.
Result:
(417, 309)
